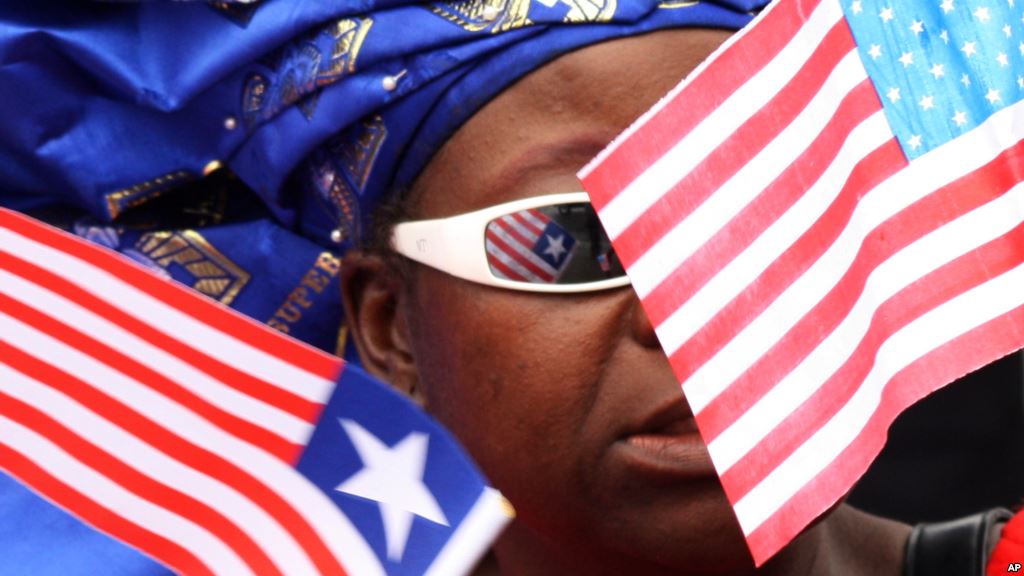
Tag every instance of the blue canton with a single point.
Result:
(555, 246)
(444, 473)
(941, 67)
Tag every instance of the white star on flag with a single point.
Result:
(965, 80)
(555, 247)
(938, 71)
(917, 27)
(947, 6)
(907, 59)
(893, 95)
(1007, 30)
(1003, 60)
(945, 36)
(960, 118)
(856, 7)
(875, 51)
(392, 477)
(927, 102)
(885, 14)
(969, 49)
(982, 14)
(992, 95)
(914, 141)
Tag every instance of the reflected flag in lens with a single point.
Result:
(528, 246)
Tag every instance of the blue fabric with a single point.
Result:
(135, 92)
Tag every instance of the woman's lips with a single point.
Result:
(673, 448)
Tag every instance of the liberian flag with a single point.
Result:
(207, 441)
(528, 246)
(824, 224)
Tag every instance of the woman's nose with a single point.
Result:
(643, 330)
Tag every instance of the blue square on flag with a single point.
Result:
(397, 476)
(940, 68)
(555, 245)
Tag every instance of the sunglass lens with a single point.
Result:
(560, 244)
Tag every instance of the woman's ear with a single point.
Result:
(371, 292)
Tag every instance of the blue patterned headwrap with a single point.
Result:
(320, 107)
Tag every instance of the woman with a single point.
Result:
(567, 402)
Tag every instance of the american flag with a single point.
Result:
(824, 224)
(528, 246)
(208, 441)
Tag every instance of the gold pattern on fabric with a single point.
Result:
(504, 15)
(213, 274)
(360, 155)
(121, 200)
(341, 342)
(671, 4)
(476, 15)
(589, 10)
(305, 295)
(349, 35)
(240, 14)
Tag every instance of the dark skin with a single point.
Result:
(567, 402)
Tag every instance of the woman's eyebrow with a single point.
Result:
(558, 154)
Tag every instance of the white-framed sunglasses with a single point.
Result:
(552, 243)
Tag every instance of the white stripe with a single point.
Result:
(926, 254)
(247, 516)
(508, 221)
(108, 494)
(927, 173)
(523, 251)
(537, 224)
(626, 134)
(512, 263)
(173, 322)
(736, 194)
(485, 520)
(232, 401)
(327, 521)
(662, 174)
(940, 325)
(735, 276)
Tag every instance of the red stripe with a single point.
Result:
(202, 309)
(505, 270)
(714, 84)
(241, 428)
(139, 484)
(170, 443)
(963, 354)
(741, 147)
(693, 273)
(252, 386)
(735, 316)
(520, 259)
(528, 223)
(930, 291)
(508, 228)
(163, 550)
(929, 213)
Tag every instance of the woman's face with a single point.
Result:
(566, 401)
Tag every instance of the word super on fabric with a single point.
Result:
(824, 223)
(207, 441)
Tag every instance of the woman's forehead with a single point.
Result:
(533, 137)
